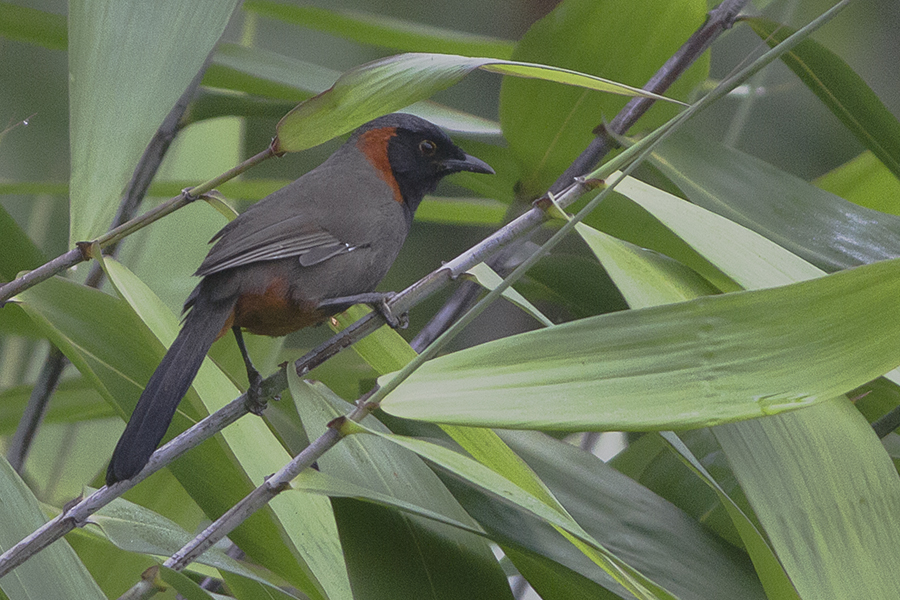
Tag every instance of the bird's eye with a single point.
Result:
(427, 147)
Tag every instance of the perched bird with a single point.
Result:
(303, 253)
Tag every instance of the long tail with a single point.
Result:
(167, 386)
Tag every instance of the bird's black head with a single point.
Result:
(412, 155)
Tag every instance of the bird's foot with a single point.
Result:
(377, 300)
(256, 402)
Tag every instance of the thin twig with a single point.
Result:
(43, 389)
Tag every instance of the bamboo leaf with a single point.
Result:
(711, 360)
(123, 82)
(817, 226)
(389, 84)
(827, 495)
(54, 574)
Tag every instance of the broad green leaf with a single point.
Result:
(374, 538)
(844, 92)
(25, 24)
(748, 258)
(389, 84)
(55, 573)
(711, 360)
(134, 528)
(827, 495)
(502, 488)
(115, 106)
(621, 41)
(864, 181)
(379, 30)
(822, 228)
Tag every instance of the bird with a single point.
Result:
(305, 252)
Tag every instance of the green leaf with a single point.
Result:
(844, 92)
(133, 528)
(746, 257)
(115, 106)
(266, 73)
(501, 487)
(658, 539)
(621, 41)
(373, 538)
(775, 580)
(822, 228)
(55, 573)
(864, 181)
(489, 279)
(711, 360)
(389, 84)
(33, 26)
(17, 251)
(827, 495)
(644, 277)
(385, 32)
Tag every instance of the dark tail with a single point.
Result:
(167, 386)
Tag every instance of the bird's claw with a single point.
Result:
(393, 321)
(256, 402)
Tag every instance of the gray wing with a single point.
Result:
(249, 241)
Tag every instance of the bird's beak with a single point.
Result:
(468, 163)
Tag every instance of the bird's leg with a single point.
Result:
(254, 391)
(377, 300)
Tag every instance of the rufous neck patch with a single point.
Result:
(374, 146)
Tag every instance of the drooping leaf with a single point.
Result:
(373, 538)
(389, 84)
(826, 493)
(505, 489)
